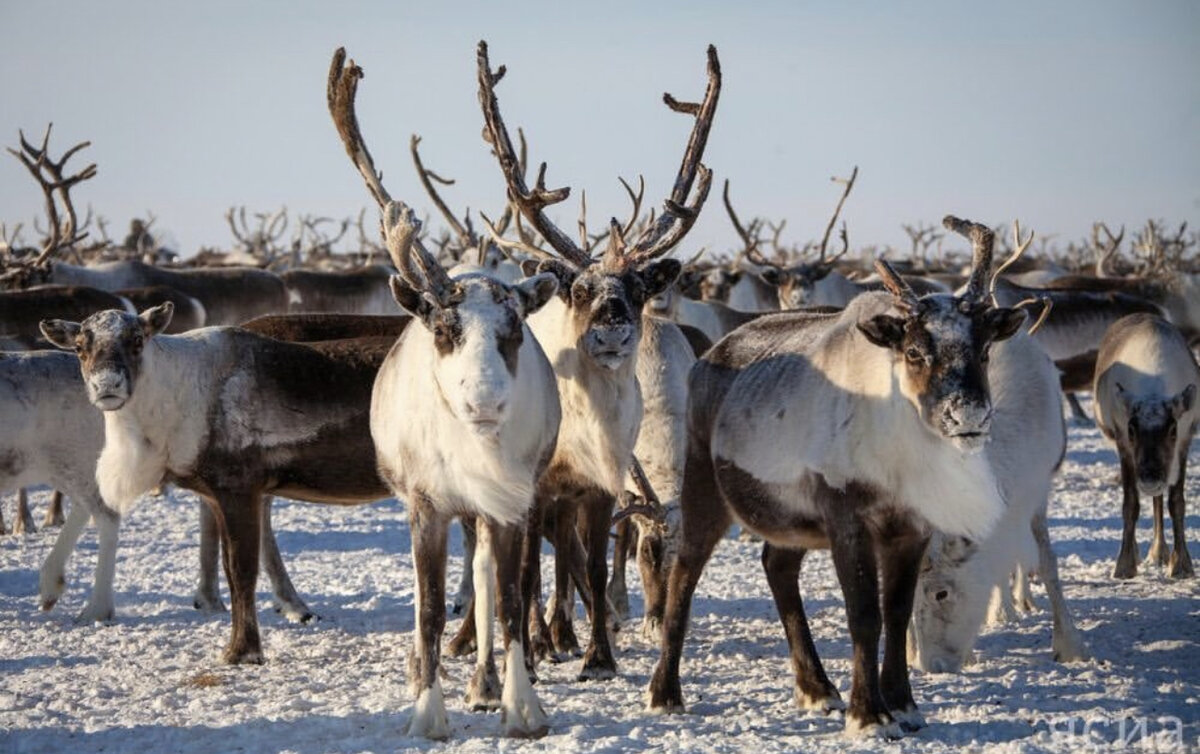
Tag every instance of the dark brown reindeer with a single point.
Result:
(859, 431)
(591, 334)
(231, 415)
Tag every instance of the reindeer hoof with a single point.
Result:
(243, 657)
(880, 725)
(93, 613)
(429, 715)
(824, 703)
(1125, 569)
(48, 602)
(1180, 567)
(910, 720)
(208, 603)
(483, 691)
(598, 666)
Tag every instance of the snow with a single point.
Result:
(153, 681)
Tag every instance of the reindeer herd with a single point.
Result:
(907, 417)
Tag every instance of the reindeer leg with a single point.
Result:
(1077, 413)
(52, 580)
(902, 554)
(100, 606)
(1068, 645)
(618, 591)
(1126, 567)
(654, 569)
(705, 521)
(1021, 594)
(535, 634)
(1180, 564)
(521, 714)
(598, 661)
(562, 607)
(287, 602)
(429, 530)
(239, 520)
(24, 522)
(54, 514)
(854, 560)
(466, 585)
(208, 595)
(483, 691)
(813, 690)
(1158, 552)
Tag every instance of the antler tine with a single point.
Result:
(582, 223)
(340, 92)
(636, 199)
(466, 237)
(1019, 248)
(837, 211)
(523, 152)
(982, 242)
(506, 245)
(531, 203)
(651, 506)
(678, 217)
(747, 240)
(895, 284)
(401, 228)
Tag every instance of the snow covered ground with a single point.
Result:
(152, 681)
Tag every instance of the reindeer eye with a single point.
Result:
(914, 355)
(580, 292)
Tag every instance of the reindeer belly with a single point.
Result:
(784, 518)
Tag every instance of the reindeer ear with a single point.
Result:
(60, 332)
(563, 272)
(155, 320)
(534, 292)
(883, 330)
(819, 272)
(529, 267)
(1005, 323)
(1183, 402)
(771, 276)
(410, 299)
(659, 275)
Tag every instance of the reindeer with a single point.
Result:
(1145, 391)
(229, 414)
(858, 431)
(591, 334)
(359, 291)
(476, 450)
(1026, 446)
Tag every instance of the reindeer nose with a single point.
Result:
(613, 337)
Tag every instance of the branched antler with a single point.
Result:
(400, 225)
(1105, 251)
(1019, 248)
(849, 184)
(982, 245)
(63, 232)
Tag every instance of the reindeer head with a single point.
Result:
(475, 321)
(795, 285)
(110, 345)
(941, 343)
(1152, 430)
(948, 606)
(716, 283)
(605, 296)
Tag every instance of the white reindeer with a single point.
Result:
(858, 431)
(464, 416)
(591, 333)
(1145, 390)
(1026, 446)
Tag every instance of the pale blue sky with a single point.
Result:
(1058, 113)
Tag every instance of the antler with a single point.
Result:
(849, 183)
(748, 240)
(678, 217)
(62, 233)
(466, 235)
(1105, 251)
(1019, 248)
(982, 242)
(896, 284)
(650, 506)
(399, 224)
(531, 203)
